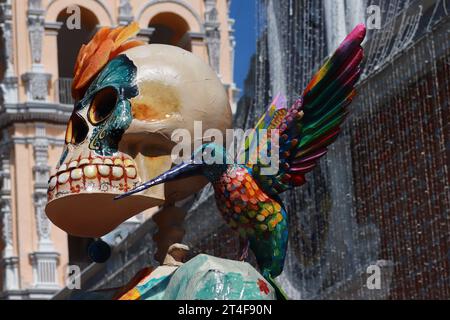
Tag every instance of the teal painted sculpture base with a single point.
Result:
(210, 278)
(203, 277)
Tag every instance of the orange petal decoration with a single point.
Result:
(94, 66)
(114, 33)
(80, 58)
(127, 45)
(125, 34)
(93, 45)
(104, 46)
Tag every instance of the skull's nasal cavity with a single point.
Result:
(77, 130)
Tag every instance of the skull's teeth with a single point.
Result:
(63, 177)
(52, 183)
(97, 161)
(117, 172)
(94, 168)
(76, 174)
(131, 172)
(73, 164)
(93, 178)
(90, 171)
(84, 161)
(128, 163)
(104, 170)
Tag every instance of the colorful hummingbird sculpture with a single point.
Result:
(248, 200)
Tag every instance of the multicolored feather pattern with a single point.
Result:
(313, 122)
(256, 144)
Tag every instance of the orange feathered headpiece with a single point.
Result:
(105, 46)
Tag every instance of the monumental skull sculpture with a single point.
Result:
(130, 97)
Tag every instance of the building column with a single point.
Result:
(50, 61)
(125, 16)
(233, 91)
(37, 82)
(45, 260)
(232, 42)
(9, 259)
(212, 30)
(9, 84)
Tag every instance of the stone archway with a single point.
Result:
(195, 37)
(101, 12)
(178, 7)
(169, 28)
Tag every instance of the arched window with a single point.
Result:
(69, 43)
(170, 28)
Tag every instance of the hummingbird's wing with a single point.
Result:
(253, 144)
(313, 122)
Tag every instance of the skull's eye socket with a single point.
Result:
(77, 130)
(102, 105)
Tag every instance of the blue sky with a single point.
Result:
(243, 11)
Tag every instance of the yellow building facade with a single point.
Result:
(39, 43)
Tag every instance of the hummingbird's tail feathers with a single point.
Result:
(281, 295)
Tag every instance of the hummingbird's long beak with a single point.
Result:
(183, 170)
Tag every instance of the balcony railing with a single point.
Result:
(63, 88)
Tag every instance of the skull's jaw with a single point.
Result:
(80, 194)
(95, 214)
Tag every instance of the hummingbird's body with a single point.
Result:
(256, 217)
(248, 196)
